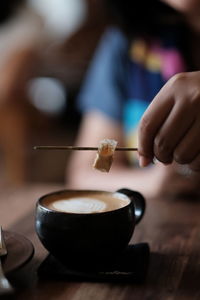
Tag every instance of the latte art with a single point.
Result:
(79, 205)
(86, 202)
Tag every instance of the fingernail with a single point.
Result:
(144, 161)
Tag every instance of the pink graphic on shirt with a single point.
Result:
(171, 61)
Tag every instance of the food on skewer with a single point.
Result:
(104, 156)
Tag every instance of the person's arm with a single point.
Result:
(17, 70)
(80, 173)
(101, 102)
(170, 127)
(95, 127)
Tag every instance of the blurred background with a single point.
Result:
(45, 47)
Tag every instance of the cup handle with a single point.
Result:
(138, 201)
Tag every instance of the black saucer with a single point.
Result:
(131, 265)
(20, 252)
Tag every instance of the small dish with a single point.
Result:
(20, 251)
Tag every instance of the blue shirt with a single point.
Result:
(124, 77)
(105, 86)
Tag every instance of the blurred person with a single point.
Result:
(177, 109)
(150, 43)
(28, 30)
(21, 39)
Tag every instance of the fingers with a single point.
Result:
(178, 139)
(144, 161)
(170, 127)
(172, 132)
(188, 149)
(195, 164)
(151, 122)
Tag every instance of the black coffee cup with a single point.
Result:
(84, 237)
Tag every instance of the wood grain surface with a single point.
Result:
(171, 227)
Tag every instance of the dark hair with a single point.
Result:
(7, 8)
(147, 17)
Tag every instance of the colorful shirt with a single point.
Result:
(124, 78)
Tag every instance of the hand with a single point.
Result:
(171, 181)
(170, 127)
(175, 181)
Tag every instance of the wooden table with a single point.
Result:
(171, 227)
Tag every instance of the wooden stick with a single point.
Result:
(80, 148)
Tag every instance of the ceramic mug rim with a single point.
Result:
(118, 194)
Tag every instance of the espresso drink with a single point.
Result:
(86, 202)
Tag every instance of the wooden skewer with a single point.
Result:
(80, 148)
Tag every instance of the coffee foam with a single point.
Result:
(79, 205)
(86, 202)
